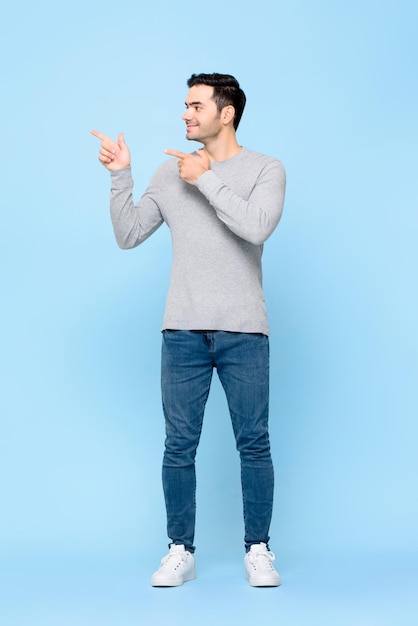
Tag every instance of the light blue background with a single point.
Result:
(332, 92)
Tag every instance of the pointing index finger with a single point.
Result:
(97, 134)
(176, 153)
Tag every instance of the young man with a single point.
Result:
(221, 203)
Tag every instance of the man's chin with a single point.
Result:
(193, 139)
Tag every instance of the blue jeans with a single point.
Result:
(242, 364)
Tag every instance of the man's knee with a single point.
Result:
(179, 452)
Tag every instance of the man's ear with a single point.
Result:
(228, 114)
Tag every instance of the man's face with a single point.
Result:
(203, 120)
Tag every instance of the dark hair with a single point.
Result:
(226, 90)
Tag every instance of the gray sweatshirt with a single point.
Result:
(218, 227)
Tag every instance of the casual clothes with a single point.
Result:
(215, 317)
(218, 227)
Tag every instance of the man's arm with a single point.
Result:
(254, 219)
(132, 224)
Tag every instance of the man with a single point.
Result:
(220, 203)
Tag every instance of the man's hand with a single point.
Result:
(113, 155)
(191, 166)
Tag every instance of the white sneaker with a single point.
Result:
(176, 568)
(259, 566)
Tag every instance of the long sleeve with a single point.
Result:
(132, 223)
(254, 218)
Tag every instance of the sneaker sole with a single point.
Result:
(264, 582)
(174, 582)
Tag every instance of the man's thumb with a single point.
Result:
(121, 140)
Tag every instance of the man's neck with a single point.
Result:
(222, 150)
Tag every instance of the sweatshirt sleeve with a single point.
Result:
(256, 218)
(132, 224)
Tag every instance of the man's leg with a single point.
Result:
(242, 361)
(186, 373)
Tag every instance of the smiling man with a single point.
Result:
(221, 203)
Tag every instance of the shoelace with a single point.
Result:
(263, 560)
(167, 562)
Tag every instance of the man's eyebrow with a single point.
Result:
(194, 103)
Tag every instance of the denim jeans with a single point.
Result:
(242, 364)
